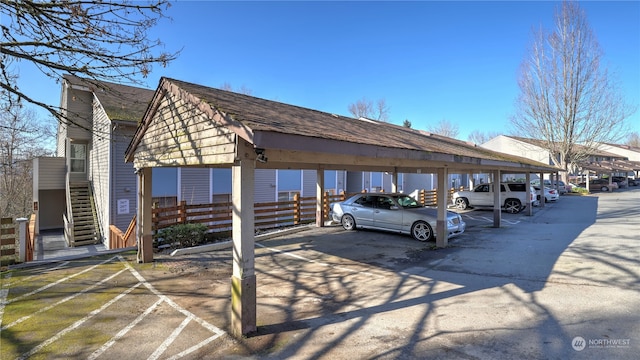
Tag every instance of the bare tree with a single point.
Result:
(566, 95)
(242, 90)
(20, 142)
(445, 128)
(93, 39)
(367, 109)
(479, 137)
(633, 139)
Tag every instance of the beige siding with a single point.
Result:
(79, 110)
(516, 147)
(181, 135)
(49, 173)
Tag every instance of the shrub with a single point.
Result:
(182, 235)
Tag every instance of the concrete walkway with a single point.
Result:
(51, 246)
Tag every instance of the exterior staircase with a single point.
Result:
(85, 227)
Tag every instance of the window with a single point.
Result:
(483, 188)
(165, 201)
(78, 158)
(518, 187)
(366, 201)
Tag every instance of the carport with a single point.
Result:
(608, 168)
(192, 125)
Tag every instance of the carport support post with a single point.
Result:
(527, 179)
(442, 194)
(319, 197)
(243, 279)
(144, 234)
(542, 190)
(497, 201)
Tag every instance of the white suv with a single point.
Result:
(512, 195)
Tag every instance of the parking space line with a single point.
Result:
(319, 263)
(189, 317)
(27, 278)
(58, 282)
(490, 220)
(169, 340)
(3, 296)
(125, 330)
(71, 297)
(194, 347)
(212, 328)
(77, 323)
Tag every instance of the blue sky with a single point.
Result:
(430, 60)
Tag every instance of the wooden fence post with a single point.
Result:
(296, 208)
(183, 212)
(325, 205)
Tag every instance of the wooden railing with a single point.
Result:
(120, 240)
(67, 217)
(11, 236)
(31, 237)
(8, 242)
(218, 216)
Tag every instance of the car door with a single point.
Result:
(483, 195)
(362, 210)
(387, 215)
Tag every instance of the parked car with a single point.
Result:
(621, 181)
(512, 195)
(633, 182)
(559, 185)
(392, 212)
(549, 194)
(599, 184)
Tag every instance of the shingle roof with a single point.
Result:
(120, 102)
(271, 116)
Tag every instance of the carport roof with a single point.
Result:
(345, 142)
(611, 166)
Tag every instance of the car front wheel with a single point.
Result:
(421, 231)
(462, 203)
(604, 188)
(348, 222)
(512, 206)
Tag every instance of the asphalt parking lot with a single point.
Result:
(562, 284)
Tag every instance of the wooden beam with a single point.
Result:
(497, 198)
(319, 194)
(243, 280)
(441, 223)
(144, 234)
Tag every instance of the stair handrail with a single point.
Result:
(68, 217)
(94, 213)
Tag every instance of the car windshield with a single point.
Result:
(407, 201)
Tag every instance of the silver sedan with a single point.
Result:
(392, 212)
